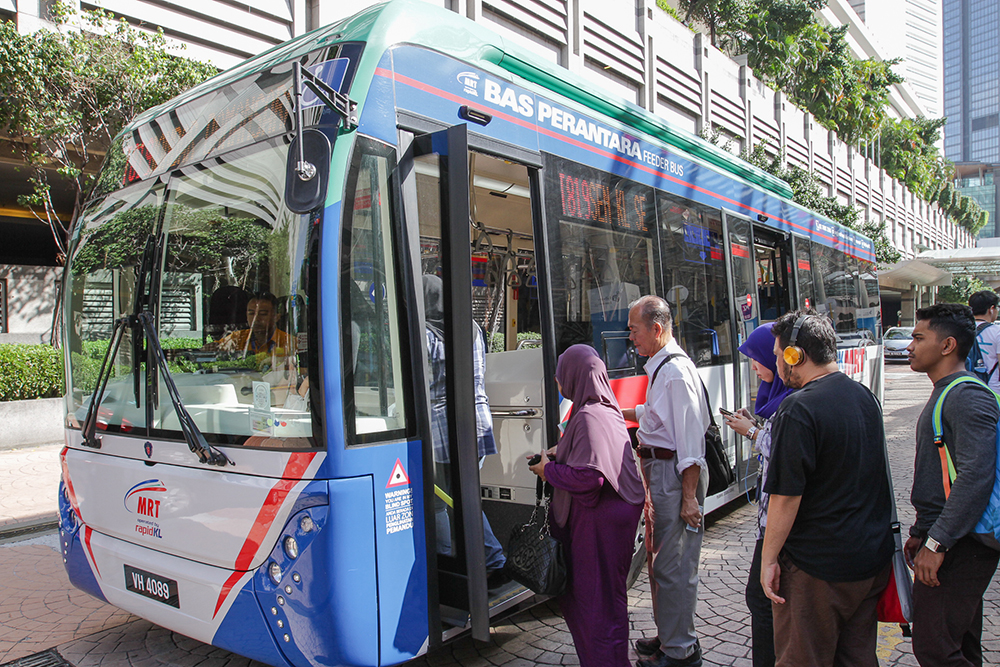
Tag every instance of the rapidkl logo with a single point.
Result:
(145, 499)
(470, 82)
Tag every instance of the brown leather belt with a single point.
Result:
(654, 453)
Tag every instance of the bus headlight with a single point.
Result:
(306, 524)
(291, 547)
(275, 571)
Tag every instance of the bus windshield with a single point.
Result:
(229, 293)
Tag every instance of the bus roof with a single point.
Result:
(382, 26)
(417, 23)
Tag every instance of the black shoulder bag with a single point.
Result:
(534, 558)
(720, 473)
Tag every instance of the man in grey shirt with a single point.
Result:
(952, 564)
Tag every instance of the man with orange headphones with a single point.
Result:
(827, 548)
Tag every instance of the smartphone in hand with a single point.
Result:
(727, 413)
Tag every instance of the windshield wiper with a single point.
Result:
(195, 439)
(142, 324)
(90, 438)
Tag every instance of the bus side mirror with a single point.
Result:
(307, 171)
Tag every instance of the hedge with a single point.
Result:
(30, 371)
(36, 371)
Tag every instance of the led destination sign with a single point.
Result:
(602, 199)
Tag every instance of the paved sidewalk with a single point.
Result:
(40, 610)
(29, 482)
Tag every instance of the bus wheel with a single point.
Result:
(638, 553)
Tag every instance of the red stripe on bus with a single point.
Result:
(86, 539)
(296, 467)
(69, 484)
(419, 85)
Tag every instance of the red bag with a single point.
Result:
(895, 604)
(890, 607)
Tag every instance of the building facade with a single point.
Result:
(917, 44)
(972, 100)
(972, 81)
(629, 47)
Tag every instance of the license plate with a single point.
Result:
(152, 586)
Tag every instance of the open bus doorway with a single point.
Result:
(772, 263)
(474, 222)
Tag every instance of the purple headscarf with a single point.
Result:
(595, 436)
(759, 346)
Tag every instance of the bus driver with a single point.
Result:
(263, 334)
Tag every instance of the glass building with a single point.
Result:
(972, 99)
(972, 80)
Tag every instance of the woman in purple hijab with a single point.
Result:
(759, 347)
(596, 503)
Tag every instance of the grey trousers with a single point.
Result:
(673, 554)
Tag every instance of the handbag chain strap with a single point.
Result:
(539, 497)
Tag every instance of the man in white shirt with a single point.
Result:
(984, 309)
(672, 424)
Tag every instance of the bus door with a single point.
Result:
(434, 175)
(471, 233)
(743, 283)
(740, 253)
(773, 267)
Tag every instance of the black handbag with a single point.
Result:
(720, 472)
(534, 558)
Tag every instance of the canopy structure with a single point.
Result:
(982, 262)
(903, 275)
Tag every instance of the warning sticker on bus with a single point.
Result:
(398, 476)
(398, 510)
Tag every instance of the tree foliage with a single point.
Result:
(807, 191)
(812, 64)
(70, 90)
(201, 241)
(961, 288)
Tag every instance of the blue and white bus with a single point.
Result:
(248, 422)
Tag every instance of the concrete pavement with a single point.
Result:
(40, 610)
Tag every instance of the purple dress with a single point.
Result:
(596, 504)
(598, 539)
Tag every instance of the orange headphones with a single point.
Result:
(793, 354)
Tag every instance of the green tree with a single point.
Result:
(722, 18)
(961, 288)
(807, 191)
(908, 154)
(69, 91)
(812, 64)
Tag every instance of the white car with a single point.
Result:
(895, 342)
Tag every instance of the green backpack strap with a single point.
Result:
(948, 472)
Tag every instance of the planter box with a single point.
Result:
(35, 422)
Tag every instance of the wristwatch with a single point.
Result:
(752, 432)
(934, 545)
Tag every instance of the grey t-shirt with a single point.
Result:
(969, 420)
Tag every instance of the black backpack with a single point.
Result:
(975, 363)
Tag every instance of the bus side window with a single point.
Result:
(694, 276)
(373, 346)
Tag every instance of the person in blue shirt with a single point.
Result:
(485, 442)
